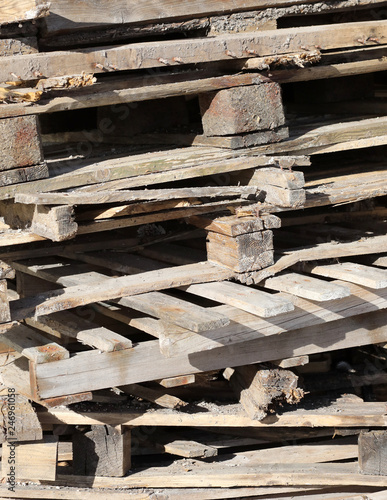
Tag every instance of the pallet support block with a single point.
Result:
(373, 453)
(102, 451)
(242, 110)
(20, 144)
(242, 253)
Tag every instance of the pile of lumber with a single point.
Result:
(193, 249)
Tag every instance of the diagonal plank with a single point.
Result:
(113, 288)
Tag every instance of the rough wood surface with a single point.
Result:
(33, 461)
(54, 223)
(373, 453)
(26, 426)
(20, 144)
(102, 451)
(15, 11)
(187, 51)
(18, 46)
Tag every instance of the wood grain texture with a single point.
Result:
(191, 51)
(14, 11)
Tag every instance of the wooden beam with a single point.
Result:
(191, 51)
(372, 453)
(371, 277)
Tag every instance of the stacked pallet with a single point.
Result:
(193, 249)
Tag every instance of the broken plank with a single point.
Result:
(306, 287)
(154, 54)
(368, 276)
(177, 381)
(54, 301)
(189, 449)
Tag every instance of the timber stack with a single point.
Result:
(193, 249)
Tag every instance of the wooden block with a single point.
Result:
(242, 109)
(102, 451)
(258, 389)
(280, 197)
(291, 362)
(20, 144)
(307, 287)
(177, 381)
(30, 461)
(5, 314)
(229, 225)
(271, 221)
(190, 449)
(244, 253)
(373, 453)
(54, 223)
(158, 396)
(287, 179)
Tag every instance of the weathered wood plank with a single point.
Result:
(15, 11)
(307, 287)
(81, 198)
(372, 453)
(187, 51)
(368, 276)
(26, 425)
(47, 303)
(33, 461)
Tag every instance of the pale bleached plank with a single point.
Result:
(247, 299)
(368, 276)
(14, 11)
(307, 287)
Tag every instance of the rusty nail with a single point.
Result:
(15, 76)
(37, 73)
(163, 61)
(252, 52)
(112, 67)
(99, 66)
(178, 60)
(231, 54)
(373, 39)
(361, 40)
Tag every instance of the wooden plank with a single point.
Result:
(20, 145)
(187, 51)
(123, 196)
(372, 453)
(102, 451)
(23, 10)
(307, 287)
(171, 309)
(263, 475)
(54, 223)
(72, 325)
(367, 246)
(368, 276)
(5, 314)
(30, 461)
(22, 423)
(92, 371)
(66, 17)
(287, 179)
(54, 301)
(24, 174)
(33, 345)
(242, 297)
(177, 381)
